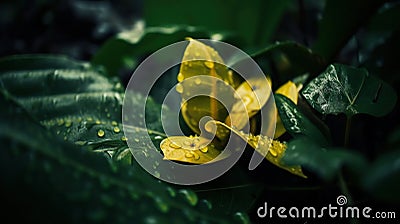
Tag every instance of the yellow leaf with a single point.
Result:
(291, 91)
(193, 149)
(272, 149)
(202, 60)
(253, 93)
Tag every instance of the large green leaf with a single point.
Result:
(77, 103)
(341, 19)
(349, 90)
(47, 180)
(327, 163)
(125, 51)
(382, 179)
(295, 122)
(263, 15)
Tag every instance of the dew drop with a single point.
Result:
(171, 191)
(157, 174)
(189, 155)
(204, 149)
(197, 81)
(196, 156)
(60, 122)
(68, 124)
(123, 138)
(100, 133)
(114, 123)
(179, 88)
(136, 140)
(273, 152)
(243, 218)
(116, 129)
(180, 77)
(189, 196)
(209, 64)
(98, 122)
(161, 204)
(174, 145)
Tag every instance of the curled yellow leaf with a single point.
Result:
(192, 149)
(272, 149)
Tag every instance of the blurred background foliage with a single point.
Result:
(287, 38)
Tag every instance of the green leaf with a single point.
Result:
(349, 90)
(285, 61)
(341, 19)
(295, 122)
(382, 180)
(40, 173)
(225, 15)
(326, 163)
(124, 50)
(80, 105)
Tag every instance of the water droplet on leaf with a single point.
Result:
(100, 133)
(179, 88)
(209, 64)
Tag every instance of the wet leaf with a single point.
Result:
(254, 94)
(202, 60)
(273, 150)
(193, 149)
(349, 90)
(77, 103)
(129, 46)
(44, 173)
(289, 90)
(295, 122)
(325, 162)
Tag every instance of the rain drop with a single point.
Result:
(189, 196)
(273, 152)
(174, 145)
(171, 191)
(98, 122)
(123, 138)
(179, 88)
(100, 133)
(136, 140)
(180, 77)
(243, 218)
(204, 149)
(161, 205)
(60, 122)
(114, 123)
(196, 156)
(156, 173)
(197, 81)
(116, 129)
(189, 155)
(68, 124)
(209, 64)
